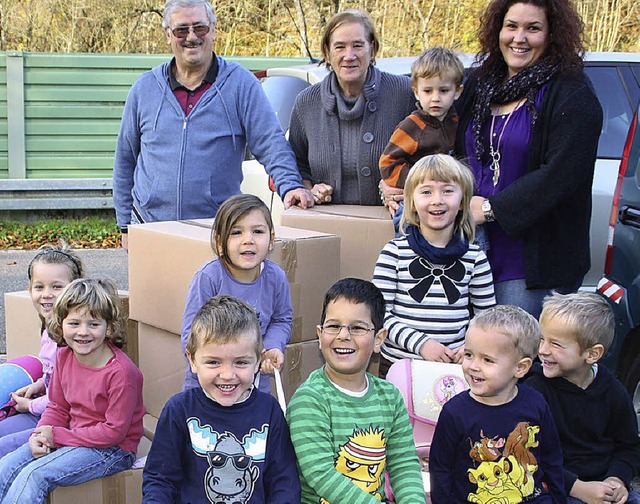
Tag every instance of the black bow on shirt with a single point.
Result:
(422, 269)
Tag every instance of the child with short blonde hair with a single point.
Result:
(497, 441)
(223, 441)
(436, 81)
(93, 422)
(433, 277)
(592, 410)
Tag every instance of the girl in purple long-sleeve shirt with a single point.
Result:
(242, 237)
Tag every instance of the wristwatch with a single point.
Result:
(488, 212)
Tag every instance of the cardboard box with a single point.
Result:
(163, 257)
(163, 365)
(122, 488)
(23, 326)
(363, 231)
(300, 359)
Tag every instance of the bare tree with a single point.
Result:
(280, 27)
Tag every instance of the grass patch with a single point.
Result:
(82, 233)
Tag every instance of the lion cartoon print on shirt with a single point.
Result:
(231, 475)
(507, 477)
(362, 459)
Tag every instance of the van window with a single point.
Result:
(616, 110)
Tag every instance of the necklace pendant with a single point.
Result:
(495, 165)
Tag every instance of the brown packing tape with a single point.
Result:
(296, 295)
(288, 261)
(114, 490)
(204, 223)
(296, 330)
(293, 355)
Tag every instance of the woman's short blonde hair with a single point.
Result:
(440, 168)
(349, 16)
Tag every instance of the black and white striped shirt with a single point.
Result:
(445, 310)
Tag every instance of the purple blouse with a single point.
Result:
(506, 254)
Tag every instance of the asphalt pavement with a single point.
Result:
(103, 263)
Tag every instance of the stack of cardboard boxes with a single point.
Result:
(314, 247)
(163, 258)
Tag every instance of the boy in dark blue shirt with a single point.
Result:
(224, 441)
(497, 441)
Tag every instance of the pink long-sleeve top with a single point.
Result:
(47, 356)
(95, 407)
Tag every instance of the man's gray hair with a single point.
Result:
(175, 5)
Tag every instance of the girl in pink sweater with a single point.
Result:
(93, 422)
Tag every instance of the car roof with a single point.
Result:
(313, 73)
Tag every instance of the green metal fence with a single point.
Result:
(60, 112)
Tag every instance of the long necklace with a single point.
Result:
(495, 152)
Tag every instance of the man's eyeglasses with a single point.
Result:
(353, 330)
(182, 32)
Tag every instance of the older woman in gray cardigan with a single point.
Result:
(340, 126)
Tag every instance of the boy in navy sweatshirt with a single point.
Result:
(224, 441)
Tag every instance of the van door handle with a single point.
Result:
(630, 216)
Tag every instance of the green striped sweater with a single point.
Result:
(343, 444)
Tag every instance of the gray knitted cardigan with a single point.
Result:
(315, 130)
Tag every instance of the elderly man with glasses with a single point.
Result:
(185, 127)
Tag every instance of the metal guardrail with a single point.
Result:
(56, 194)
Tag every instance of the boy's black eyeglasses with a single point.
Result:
(353, 330)
(182, 32)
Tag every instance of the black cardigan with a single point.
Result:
(550, 206)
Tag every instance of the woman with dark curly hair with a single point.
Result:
(529, 126)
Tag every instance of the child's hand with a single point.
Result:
(391, 196)
(593, 492)
(458, 355)
(46, 431)
(620, 492)
(432, 350)
(41, 441)
(22, 403)
(272, 358)
(38, 446)
(35, 389)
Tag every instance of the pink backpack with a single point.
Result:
(425, 387)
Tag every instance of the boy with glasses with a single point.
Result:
(185, 127)
(348, 426)
(224, 441)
